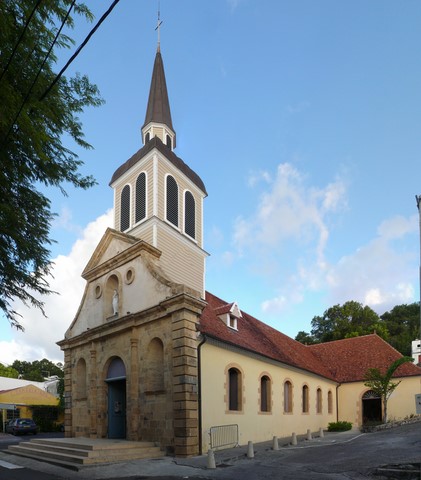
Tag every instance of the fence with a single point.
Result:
(223, 436)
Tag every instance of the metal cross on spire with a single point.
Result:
(158, 28)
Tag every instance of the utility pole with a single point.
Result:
(418, 199)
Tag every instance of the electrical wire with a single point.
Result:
(20, 39)
(59, 75)
(39, 71)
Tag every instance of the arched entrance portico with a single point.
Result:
(116, 381)
(372, 407)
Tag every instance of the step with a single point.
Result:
(83, 451)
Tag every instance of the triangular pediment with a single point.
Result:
(112, 248)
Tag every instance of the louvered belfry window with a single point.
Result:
(189, 215)
(140, 197)
(172, 200)
(125, 209)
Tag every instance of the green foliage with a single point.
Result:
(339, 426)
(399, 327)
(38, 370)
(382, 383)
(305, 338)
(32, 153)
(403, 324)
(9, 372)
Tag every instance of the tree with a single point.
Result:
(305, 338)
(403, 323)
(9, 372)
(38, 370)
(382, 384)
(33, 155)
(351, 319)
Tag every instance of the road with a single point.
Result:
(356, 459)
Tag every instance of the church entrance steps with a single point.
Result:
(77, 452)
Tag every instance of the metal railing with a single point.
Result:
(223, 436)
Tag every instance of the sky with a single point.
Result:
(302, 117)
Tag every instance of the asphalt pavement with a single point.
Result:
(335, 456)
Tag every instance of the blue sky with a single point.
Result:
(302, 117)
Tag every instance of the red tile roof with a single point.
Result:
(342, 361)
(350, 358)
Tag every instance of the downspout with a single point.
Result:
(199, 391)
(337, 402)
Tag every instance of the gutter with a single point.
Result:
(337, 402)
(199, 391)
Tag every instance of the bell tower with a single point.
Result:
(158, 198)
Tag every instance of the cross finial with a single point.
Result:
(158, 27)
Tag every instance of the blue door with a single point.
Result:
(117, 409)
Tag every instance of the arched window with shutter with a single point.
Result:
(305, 399)
(234, 390)
(287, 397)
(265, 394)
(189, 215)
(125, 209)
(140, 197)
(172, 201)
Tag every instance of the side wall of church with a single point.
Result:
(401, 403)
(283, 416)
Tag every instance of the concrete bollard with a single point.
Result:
(250, 450)
(321, 433)
(309, 437)
(211, 459)
(275, 445)
(294, 439)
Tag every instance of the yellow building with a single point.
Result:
(19, 402)
(150, 355)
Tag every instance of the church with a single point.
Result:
(152, 356)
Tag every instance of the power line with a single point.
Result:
(39, 70)
(79, 49)
(20, 38)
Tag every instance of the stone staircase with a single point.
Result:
(75, 453)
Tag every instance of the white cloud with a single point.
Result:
(378, 274)
(41, 334)
(288, 238)
(290, 211)
(233, 4)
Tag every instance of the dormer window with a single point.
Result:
(229, 314)
(232, 322)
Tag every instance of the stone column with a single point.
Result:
(67, 393)
(92, 395)
(185, 383)
(133, 410)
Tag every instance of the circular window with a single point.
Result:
(129, 276)
(98, 291)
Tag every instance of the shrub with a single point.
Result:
(339, 426)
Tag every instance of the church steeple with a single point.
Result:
(158, 121)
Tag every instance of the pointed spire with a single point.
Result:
(158, 109)
(158, 120)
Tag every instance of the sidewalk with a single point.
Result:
(231, 455)
(171, 466)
